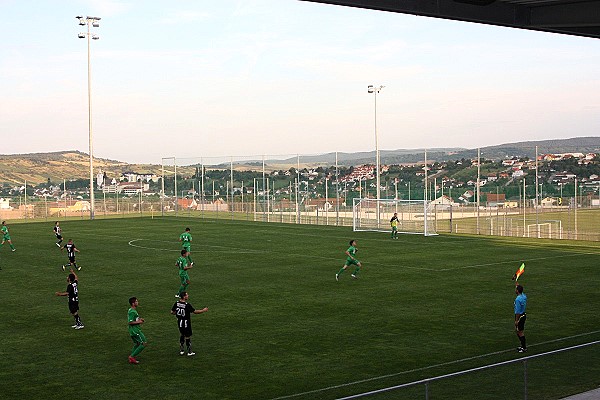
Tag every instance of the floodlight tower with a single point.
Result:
(87, 21)
(375, 90)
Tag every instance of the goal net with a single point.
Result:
(545, 230)
(414, 216)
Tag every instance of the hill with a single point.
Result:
(39, 167)
(497, 152)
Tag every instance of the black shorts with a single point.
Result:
(187, 332)
(73, 307)
(72, 260)
(59, 237)
(521, 323)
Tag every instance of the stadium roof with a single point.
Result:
(571, 17)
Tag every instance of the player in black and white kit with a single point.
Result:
(71, 249)
(183, 310)
(73, 294)
(58, 233)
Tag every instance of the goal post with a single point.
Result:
(545, 230)
(414, 216)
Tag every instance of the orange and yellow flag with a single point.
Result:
(519, 272)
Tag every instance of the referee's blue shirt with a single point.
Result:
(520, 304)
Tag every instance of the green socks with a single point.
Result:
(137, 350)
(182, 288)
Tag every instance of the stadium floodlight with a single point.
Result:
(375, 90)
(93, 21)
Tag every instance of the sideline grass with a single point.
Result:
(278, 322)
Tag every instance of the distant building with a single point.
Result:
(495, 200)
(359, 173)
(4, 204)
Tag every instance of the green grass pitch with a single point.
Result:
(280, 326)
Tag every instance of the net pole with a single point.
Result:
(297, 205)
(478, 184)
(202, 186)
(354, 218)
(162, 194)
(231, 179)
(263, 187)
(425, 195)
(326, 201)
(242, 198)
(537, 203)
(337, 192)
(297, 184)
(290, 204)
(425, 227)
(575, 212)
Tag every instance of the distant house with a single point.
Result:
(359, 173)
(129, 188)
(78, 206)
(4, 204)
(511, 162)
(322, 204)
(549, 202)
(186, 203)
(495, 200)
(466, 197)
(441, 203)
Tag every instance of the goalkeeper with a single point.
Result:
(394, 224)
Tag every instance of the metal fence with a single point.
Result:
(568, 222)
(536, 379)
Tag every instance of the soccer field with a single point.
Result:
(279, 325)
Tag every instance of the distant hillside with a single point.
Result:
(37, 168)
(498, 152)
(527, 149)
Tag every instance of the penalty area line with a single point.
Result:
(428, 367)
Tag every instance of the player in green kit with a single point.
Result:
(183, 266)
(6, 236)
(350, 260)
(135, 331)
(186, 242)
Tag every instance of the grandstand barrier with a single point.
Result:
(525, 378)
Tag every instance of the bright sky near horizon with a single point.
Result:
(193, 78)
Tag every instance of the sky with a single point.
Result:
(202, 79)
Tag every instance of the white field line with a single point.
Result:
(427, 367)
(518, 261)
(249, 251)
(224, 248)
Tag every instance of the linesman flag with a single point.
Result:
(519, 272)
